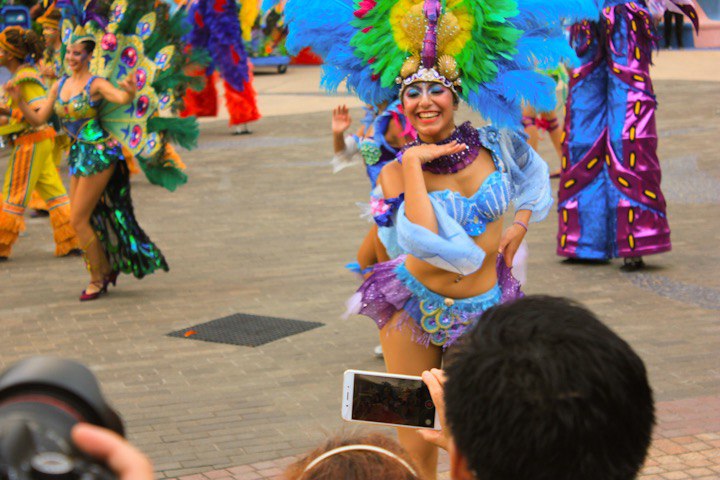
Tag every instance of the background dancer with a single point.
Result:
(88, 106)
(216, 29)
(457, 182)
(610, 201)
(533, 122)
(49, 68)
(384, 131)
(31, 165)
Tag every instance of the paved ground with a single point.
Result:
(263, 227)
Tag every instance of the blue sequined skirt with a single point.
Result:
(437, 320)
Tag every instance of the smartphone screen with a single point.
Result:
(397, 401)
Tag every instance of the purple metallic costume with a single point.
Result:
(610, 203)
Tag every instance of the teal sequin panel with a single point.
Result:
(94, 150)
(128, 247)
(370, 152)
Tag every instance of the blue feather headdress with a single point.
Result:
(488, 51)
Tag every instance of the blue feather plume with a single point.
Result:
(543, 45)
(324, 26)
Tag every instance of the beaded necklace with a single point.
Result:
(448, 164)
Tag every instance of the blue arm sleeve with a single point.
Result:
(450, 249)
(529, 173)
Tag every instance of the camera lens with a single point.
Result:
(41, 399)
(55, 465)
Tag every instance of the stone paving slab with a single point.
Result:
(264, 227)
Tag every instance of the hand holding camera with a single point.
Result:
(42, 399)
(104, 445)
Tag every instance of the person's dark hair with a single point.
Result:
(354, 464)
(25, 41)
(88, 46)
(542, 389)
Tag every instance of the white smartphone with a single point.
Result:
(388, 399)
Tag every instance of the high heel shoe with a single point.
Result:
(111, 278)
(85, 296)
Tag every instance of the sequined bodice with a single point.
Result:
(488, 204)
(77, 107)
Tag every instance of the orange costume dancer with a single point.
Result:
(49, 68)
(31, 165)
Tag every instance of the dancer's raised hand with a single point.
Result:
(129, 85)
(430, 151)
(341, 119)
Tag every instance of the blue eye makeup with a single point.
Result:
(412, 92)
(417, 91)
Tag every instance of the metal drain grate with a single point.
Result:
(246, 330)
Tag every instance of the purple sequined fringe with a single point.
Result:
(384, 293)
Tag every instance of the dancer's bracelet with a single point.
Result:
(522, 224)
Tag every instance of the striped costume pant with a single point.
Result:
(31, 167)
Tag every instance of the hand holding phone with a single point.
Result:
(388, 399)
(435, 381)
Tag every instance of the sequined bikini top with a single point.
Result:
(488, 204)
(77, 107)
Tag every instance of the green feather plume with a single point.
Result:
(181, 131)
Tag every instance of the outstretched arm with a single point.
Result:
(532, 186)
(36, 113)
(124, 94)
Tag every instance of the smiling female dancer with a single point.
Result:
(89, 107)
(452, 185)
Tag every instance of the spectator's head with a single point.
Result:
(355, 458)
(541, 389)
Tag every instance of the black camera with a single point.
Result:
(41, 398)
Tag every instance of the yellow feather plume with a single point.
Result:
(249, 11)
